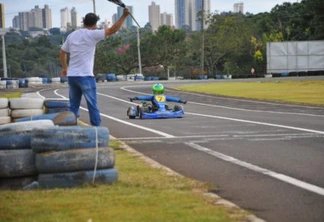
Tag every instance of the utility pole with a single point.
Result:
(202, 37)
(4, 57)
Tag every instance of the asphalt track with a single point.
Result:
(265, 157)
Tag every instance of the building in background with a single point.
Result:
(182, 13)
(65, 18)
(154, 16)
(128, 23)
(74, 18)
(47, 17)
(35, 18)
(196, 13)
(114, 18)
(2, 16)
(239, 7)
(23, 21)
(167, 19)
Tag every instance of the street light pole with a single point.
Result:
(202, 37)
(94, 6)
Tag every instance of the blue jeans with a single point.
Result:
(85, 86)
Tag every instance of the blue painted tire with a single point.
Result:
(75, 160)
(56, 110)
(68, 137)
(57, 103)
(18, 135)
(61, 119)
(17, 163)
(16, 182)
(73, 179)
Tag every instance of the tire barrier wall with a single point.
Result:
(73, 156)
(18, 135)
(73, 179)
(68, 138)
(25, 107)
(17, 160)
(5, 117)
(55, 106)
(66, 118)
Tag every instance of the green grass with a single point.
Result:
(142, 193)
(10, 95)
(302, 92)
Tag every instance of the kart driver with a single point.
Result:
(157, 90)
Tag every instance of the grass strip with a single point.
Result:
(300, 92)
(142, 193)
(10, 95)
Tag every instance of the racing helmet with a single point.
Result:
(157, 89)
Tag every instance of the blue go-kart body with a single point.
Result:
(161, 111)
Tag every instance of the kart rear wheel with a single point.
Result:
(178, 107)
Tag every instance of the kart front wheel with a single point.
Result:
(178, 107)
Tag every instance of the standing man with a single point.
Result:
(81, 44)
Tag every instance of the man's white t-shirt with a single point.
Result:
(81, 44)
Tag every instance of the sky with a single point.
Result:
(106, 9)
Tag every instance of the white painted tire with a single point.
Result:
(4, 103)
(56, 80)
(26, 103)
(21, 113)
(4, 112)
(5, 120)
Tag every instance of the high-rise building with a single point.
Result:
(167, 19)
(182, 13)
(23, 21)
(128, 23)
(74, 18)
(114, 18)
(47, 17)
(65, 18)
(239, 7)
(154, 16)
(36, 17)
(196, 13)
(2, 16)
(187, 13)
(15, 22)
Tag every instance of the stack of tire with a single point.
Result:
(73, 156)
(66, 118)
(4, 111)
(12, 84)
(3, 84)
(25, 107)
(17, 160)
(56, 105)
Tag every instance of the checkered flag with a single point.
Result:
(118, 2)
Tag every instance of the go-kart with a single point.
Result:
(158, 109)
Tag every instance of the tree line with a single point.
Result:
(233, 43)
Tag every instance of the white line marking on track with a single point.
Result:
(253, 110)
(281, 177)
(258, 123)
(261, 170)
